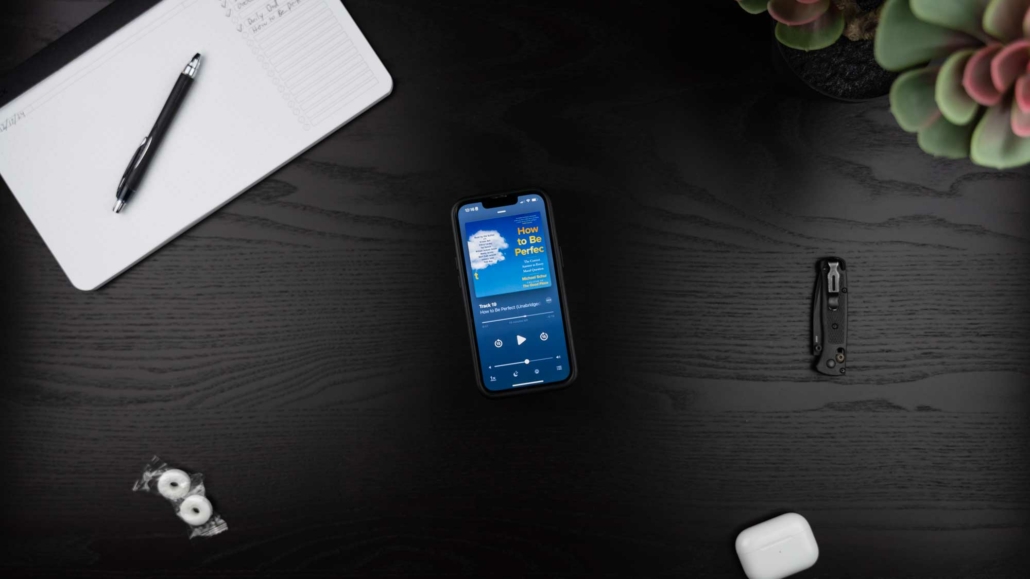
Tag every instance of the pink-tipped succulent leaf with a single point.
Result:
(797, 12)
(1009, 64)
(982, 88)
(1020, 122)
(1021, 107)
(977, 77)
(1023, 93)
(816, 35)
(801, 24)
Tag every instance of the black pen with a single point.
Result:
(148, 148)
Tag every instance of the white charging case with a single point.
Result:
(777, 548)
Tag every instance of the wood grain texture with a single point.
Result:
(305, 347)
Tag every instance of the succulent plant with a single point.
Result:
(816, 24)
(972, 97)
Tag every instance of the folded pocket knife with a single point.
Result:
(830, 317)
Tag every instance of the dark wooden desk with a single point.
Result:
(305, 347)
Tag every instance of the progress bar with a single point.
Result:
(526, 361)
(516, 318)
(527, 383)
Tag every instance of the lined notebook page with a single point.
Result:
(276, 77)
(301, 41)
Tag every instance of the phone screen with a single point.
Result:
(514, 293)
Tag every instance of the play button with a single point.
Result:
(520, 339)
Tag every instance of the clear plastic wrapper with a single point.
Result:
(187, 495)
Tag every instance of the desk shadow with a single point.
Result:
(12, 275)
(12, 280)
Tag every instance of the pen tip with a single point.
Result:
(118, 206)
(196, 56)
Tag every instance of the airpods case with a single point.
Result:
(777, 548)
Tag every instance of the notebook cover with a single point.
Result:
(70, 46)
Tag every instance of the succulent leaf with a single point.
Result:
(1009, 64)
(795, 13)
(1004, 19)
(945, 139)
(964, 15)
(994, 144)
(1023, 93)
(815, 35)
(903, 40)
(1020, 122)
(912, 99)
(753, 6)
(977, 77)
(955, 103)
(987, 48)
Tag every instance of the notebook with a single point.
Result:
(277, 76)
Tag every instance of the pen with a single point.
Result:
(148, 148)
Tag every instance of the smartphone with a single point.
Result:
(510, 273)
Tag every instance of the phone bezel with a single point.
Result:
(559, 265)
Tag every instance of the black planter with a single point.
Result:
(846, 70)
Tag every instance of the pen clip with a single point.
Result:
(136, 158)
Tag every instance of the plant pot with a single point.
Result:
(847, 70)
